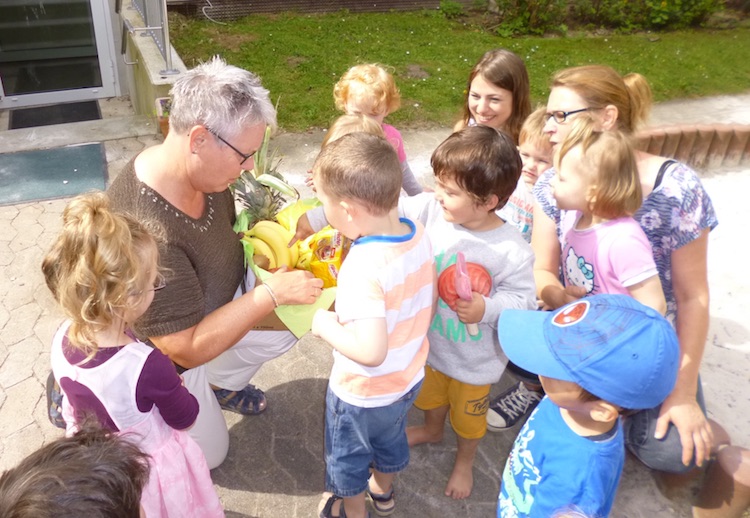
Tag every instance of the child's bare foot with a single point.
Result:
(461, 482)
(420, 434)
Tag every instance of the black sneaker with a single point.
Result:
(511, 406)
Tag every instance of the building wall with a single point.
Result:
(147, 75)
(223, 10)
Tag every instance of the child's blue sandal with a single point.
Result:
(383, 504)
(248, 401)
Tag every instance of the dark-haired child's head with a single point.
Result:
(94, 473)
(483, 162)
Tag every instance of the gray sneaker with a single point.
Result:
(511, 406)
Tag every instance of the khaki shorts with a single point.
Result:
(468, 403)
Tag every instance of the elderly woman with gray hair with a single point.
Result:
(203, 318)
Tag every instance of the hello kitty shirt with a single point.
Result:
(606, 258)
(673, 215)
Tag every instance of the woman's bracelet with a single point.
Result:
(272, 294)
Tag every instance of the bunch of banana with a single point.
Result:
(271, 239)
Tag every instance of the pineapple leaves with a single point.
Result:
(262, 192)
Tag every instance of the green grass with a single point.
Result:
(300, 57)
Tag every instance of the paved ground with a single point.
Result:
(275, 464)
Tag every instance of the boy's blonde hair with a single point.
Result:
(360, 167)
(617, 186)
(600, 86)
(532, 131)
(482, 161)
(97, 267)
(369, 85)
(352, 124)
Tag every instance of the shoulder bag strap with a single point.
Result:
(662, 170)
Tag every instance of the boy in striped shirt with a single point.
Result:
(384, 304)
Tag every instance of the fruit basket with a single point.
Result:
(260, 194)
(268, 209)
(268, 212)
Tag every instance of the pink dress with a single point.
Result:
(180, 483)
(409, 181)
(393, 136)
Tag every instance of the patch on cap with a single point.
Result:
(571, 314)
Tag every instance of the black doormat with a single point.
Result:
(53, 114)
(52, 173)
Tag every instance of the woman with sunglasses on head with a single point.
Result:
(676, 216)
(203, 318)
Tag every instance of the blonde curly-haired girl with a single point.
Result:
(370, 89)
(103, 271)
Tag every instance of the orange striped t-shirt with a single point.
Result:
(391, 277)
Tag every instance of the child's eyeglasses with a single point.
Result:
(159, 284)
(561, 116)
(245, 156)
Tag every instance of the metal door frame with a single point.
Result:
(102, 20)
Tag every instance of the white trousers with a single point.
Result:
(231, 370)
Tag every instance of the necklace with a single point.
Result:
(201, 224)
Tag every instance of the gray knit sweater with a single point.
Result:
(477, 360)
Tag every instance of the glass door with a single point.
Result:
(54, 51)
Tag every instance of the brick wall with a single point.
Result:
(224, 10)
(703, 147)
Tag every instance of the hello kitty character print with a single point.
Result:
(607, 257)
(672, 215)
(578, 272)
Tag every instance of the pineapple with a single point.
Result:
(262, 192)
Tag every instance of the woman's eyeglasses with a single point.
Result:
(245, 156)
(561, 116)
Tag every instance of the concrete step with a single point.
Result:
(102, 130)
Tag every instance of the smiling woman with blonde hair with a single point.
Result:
(676, 215)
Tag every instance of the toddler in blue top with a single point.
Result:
(596, 358)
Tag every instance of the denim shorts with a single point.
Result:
(359, 438)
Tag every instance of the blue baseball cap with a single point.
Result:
(611, 345)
